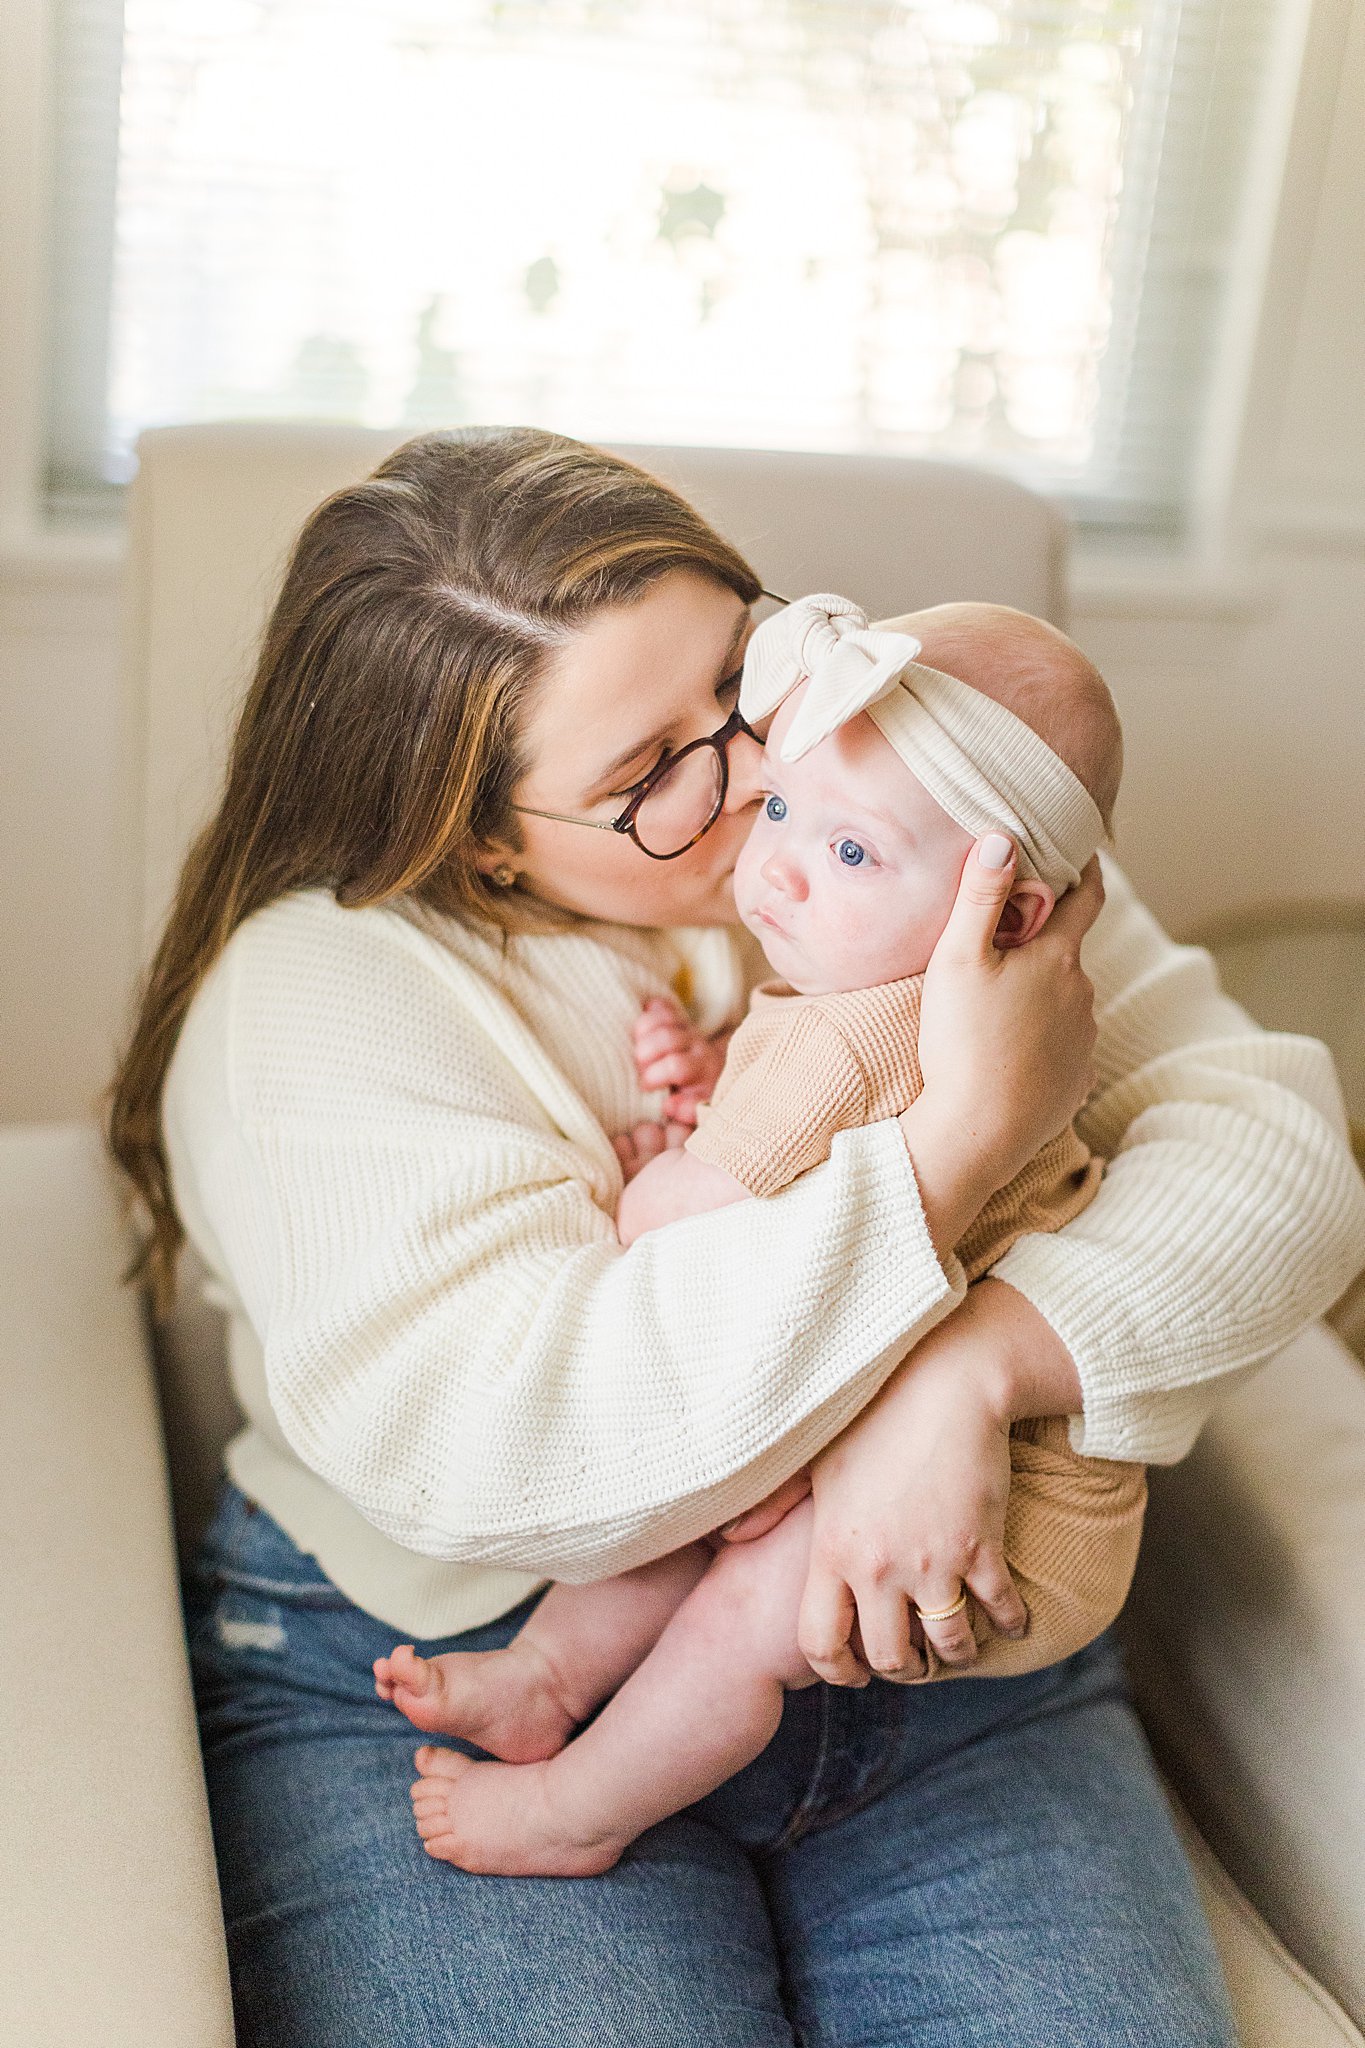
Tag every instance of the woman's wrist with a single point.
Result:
(954, 1181)
(1026, 1369)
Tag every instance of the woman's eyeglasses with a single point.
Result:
(672, 807)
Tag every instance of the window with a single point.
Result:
(1001, 231)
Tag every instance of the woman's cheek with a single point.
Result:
(745, 869)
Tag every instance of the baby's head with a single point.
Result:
(851, 868)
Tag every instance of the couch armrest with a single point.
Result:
(1246, 1642)
(110, 1922)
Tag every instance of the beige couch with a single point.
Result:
(1247, 1625)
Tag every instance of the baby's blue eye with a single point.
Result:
(858, 853)
(776, 815)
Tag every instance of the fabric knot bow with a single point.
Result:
(981, 764)
(850, 665)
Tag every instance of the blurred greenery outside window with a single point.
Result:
(1002, 232)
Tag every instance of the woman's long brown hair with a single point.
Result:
(379, 743)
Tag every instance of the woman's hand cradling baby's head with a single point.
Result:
(1005, 1042)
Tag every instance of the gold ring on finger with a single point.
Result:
(943, 1613)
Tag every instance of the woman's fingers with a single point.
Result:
(993, 1589)
(1077, 910)
(824, 1626)
(952, 1635)
(884, 1627)
(987, 878)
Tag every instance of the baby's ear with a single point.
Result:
(1028, 909)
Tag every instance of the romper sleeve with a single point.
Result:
(453, 1336)
(1230, 1213)
(774, 1114)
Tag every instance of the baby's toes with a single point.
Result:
(429, 1795)
(432, 1821)
(409, 1670)
(438, 1764)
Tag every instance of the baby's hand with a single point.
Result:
(645, 1141)
(671, 1053)
(670, 1186)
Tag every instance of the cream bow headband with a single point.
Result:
(986, 768)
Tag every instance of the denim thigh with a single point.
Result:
(978, 1861)
(342, 1931)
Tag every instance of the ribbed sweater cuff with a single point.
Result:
(1124, 1417)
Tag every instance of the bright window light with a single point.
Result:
(938, 228)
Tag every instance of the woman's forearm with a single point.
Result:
(1026, 1369)
(1230, 1212)
(955, 1181)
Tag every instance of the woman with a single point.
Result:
(380, 1059)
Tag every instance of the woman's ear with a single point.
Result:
(491, 853)
(1028, 909)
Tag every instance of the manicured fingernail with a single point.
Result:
(994, 850)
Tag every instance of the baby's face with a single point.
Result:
(849, 873)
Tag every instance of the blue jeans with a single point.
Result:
(982, 1861)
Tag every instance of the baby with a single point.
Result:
(879, 772)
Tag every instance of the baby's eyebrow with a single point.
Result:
(883, 818)
(863, 808)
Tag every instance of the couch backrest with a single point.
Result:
(214, 510)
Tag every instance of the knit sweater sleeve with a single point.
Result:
(453, 1335)
(1230, 1214)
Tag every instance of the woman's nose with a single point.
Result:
(785, 876)
(744, 757)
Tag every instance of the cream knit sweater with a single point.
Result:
(392, 1148)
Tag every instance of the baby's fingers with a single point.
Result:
(669, 1036)
(660, 1015)
(674, 1069)
(681, 1106)
(649, 1140)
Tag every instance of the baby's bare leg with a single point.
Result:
(523, 1702)
(705, 1702)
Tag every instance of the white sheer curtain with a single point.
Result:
(991, 230)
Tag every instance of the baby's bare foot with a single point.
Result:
(504, 1701)
(500, 1820)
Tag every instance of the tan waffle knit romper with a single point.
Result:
(799, 1069)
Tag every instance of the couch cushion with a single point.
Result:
(1275, 2002)
(110, 1924)
(1245, 1633)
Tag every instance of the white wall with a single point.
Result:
(1239, 675)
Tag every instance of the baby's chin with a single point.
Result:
(784, 963)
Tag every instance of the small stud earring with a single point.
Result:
(504, 876)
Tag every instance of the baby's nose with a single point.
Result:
(784, 875)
